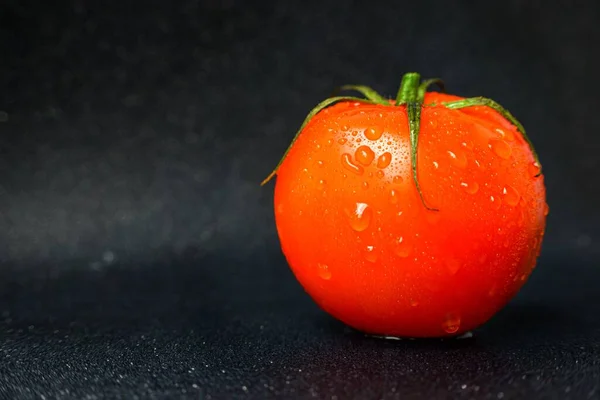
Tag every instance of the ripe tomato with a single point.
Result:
(416, 217)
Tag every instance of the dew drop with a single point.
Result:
(321, 184)
(323, 271)
(546, 209)
(501, 148)
(496, 202)
(458, 158)
(451, 323)
(534, 169)
(350, 166)
(470, 188)
(397, 179)
(403, 249)
(453, 266)
(320, 163)
(380, 174)
(365, 185)
(360, 217)
(506, 135)
(364, 155)
(342, 140)
(393, 196)
(467, 145)
(384, 160)
(329, 142)
(511, 196)
(413, 303)
(373, 133)
(370, 254)
(436, 165)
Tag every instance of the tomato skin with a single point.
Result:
(363, 245)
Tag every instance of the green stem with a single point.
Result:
(409, 88)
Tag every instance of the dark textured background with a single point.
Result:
(139, 255)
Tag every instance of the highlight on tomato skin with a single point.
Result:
(421, 216)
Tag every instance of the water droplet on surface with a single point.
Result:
(393, 196)
(506, 135)
(380, 174)
(342, 140)
(323, 271)
(470, 188)
(373, 133)
(329, 142)
(414, 303)
(321, 184)
(360, 217)
(453, 266)
(403, 249)
(501, 148)
(364, 155)
(458, 158)
(397, 179)
(371, 254)
(365, 185)
(384, 160)
(546, 209)
(320, 163)
(350, 165)
(467, 145)
(496, 202)
(451, 323)
(534, 168)
(511, 196)
(436, 165)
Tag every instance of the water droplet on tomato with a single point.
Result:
(393, 196)
(397, 179)
(453, 266)
(365, 185)
(511, 196)
(402, 249)
(321, 184)
(496, 202)
(360, 217)
(436, 165)
(320, 163)
(470, 188)
(384, 160)
(373, 133)
(501, 148)
(451, 323)
(371, 254)
(350, 165)
(467, 145)
(380, 174)
(342, 140)
(506, 135)
(534, 169)
(323, 271)
(329, 142)
(414, 303)
(364, 155)
(546, 209)
(458, 158)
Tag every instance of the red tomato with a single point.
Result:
(375, 254)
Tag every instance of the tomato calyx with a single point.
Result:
(411, 95)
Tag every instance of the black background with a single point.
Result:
(139, 254)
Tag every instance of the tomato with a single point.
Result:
(415, 217)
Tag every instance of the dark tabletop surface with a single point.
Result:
(139, 257)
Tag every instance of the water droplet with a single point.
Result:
(323, 271)
(403, 249)
(501, 148)
(397, 179)
(496, 202)
(342, 140)
(511, 196)
(523, 277)
(364, 155)
(354, 133)
(373, 133)
(458, 158)
(546, 209)
(320, 163)
(329, 142)
(436, 165)
(345, 127)
(534, 169)
(453, 266)
(365, 185)
(321, 184)
(371, 254)
(393, 197)
(350, 166)
(470, 188)
(384, 160)
(360, 217)
(414, 303)
(380, 174)
(506, 135)
(451, 323)
(433, 123)
(467, 145)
